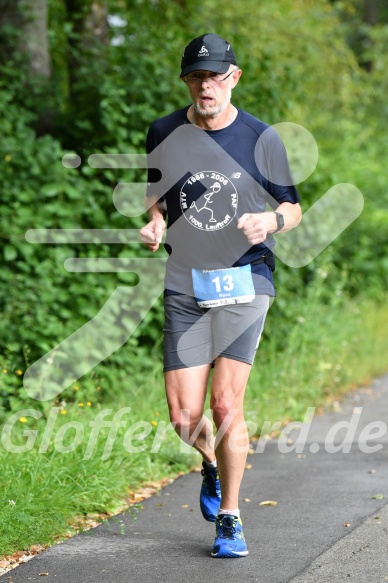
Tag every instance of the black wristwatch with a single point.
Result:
(279, 221)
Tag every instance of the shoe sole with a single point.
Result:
(225, 554)
(208, 517)
(212, 519)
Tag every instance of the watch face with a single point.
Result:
(280, 221)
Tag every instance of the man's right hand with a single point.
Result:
(152, 233)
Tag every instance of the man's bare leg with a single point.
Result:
(227, 395)
(186, 391)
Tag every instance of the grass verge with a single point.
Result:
(58, 468)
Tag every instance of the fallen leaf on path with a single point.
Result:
(246, 500)
(43, 574)
(248, 466)
(378, 497)
(346, 523)
(35, 549)
(185, 505)
(268, 503)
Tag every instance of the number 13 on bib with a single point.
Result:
(220, 287)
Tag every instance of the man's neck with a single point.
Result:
(220, 121)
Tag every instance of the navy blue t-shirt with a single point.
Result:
(208, 180)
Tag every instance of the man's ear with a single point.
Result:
(236, 77)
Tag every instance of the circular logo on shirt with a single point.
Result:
(209, 200)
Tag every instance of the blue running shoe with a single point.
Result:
(210, 497)
(230, 542)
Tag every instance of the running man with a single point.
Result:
(219, 276)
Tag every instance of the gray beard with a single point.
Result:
(211, 113)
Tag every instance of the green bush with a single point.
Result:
(102, 97)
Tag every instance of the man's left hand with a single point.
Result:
(256, 226)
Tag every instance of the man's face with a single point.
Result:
(211, 95)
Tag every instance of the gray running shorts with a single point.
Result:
(194, 336)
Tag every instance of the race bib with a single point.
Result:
(219, 287)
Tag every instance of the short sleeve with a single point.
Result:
(272, 162)
(153, 173)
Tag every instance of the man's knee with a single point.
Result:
(185, 420)
(225, 413)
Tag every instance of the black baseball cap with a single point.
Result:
(208, 52)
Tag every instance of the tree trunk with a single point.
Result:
(96, 23)
(89, 27)
(29, 18)
(36, 41)
(371, 12)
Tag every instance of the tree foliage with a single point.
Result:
(106, 70)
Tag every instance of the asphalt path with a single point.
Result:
(327, 525)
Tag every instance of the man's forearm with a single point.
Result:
(256, 226)
(292, 215)
(152, 233)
